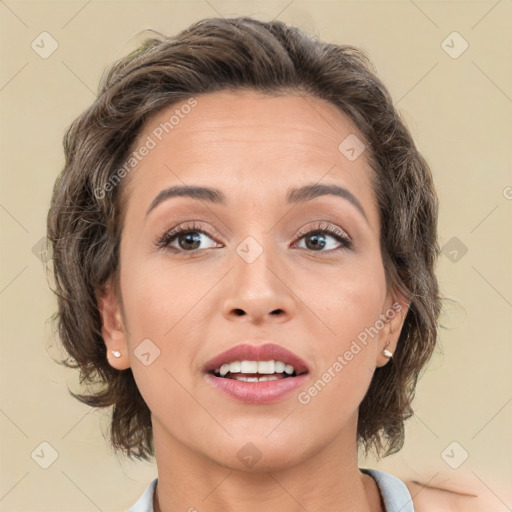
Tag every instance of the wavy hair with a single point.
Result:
(216, 54)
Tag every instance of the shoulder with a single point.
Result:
(146, 501)
(427, 498)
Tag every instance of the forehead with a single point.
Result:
(250, 145)
(247, 117)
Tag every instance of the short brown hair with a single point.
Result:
(84, 226)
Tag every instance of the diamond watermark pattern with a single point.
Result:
(249, 455)
(454, 455)
(146, 352)
(44, 455)
(454, 249)
(351, 147)
(39, 250)
(454, 45)
(249, 249)
(44, 45)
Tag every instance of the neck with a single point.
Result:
(328, 479)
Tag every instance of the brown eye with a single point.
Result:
(318, 239)
(190, 240)
(185, 239)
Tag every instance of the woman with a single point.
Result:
(244, 242)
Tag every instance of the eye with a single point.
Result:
(185, 238)
(317, 239)
(188, 238)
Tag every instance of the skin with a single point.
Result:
(464, 491)
(252, 147)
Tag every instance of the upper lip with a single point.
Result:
(250, 352)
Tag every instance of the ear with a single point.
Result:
(393, 316)
(112, 327)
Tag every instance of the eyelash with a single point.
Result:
(168, 237)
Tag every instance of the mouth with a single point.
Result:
(257, 373)
(256, 362)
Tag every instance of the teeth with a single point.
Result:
(266, 367)
(263, 367)
(256, 379)
(288, 369)
(224, 369)
(279, 366)
(248, 367)
(235, 367)
(268, 377)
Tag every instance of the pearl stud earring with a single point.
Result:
(116, 353)
(386, 352)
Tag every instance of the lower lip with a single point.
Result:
(265, 392)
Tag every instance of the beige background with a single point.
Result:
(459, 110)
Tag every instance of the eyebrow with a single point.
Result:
(294, 195)
(309, 192)
(211, 195)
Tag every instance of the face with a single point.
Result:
(257, 267)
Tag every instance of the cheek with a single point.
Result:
(165, 307)
(350, 299)
(158, 295)
(351, 307)
(346, 357)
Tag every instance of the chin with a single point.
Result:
(250, 459)
(260, 453)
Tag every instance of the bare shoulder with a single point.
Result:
(428, 498)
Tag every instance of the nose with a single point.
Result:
(257, 292)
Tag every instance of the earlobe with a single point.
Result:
(112, 328)
(385, 355)
(395, 314)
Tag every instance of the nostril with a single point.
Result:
(239, 312)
